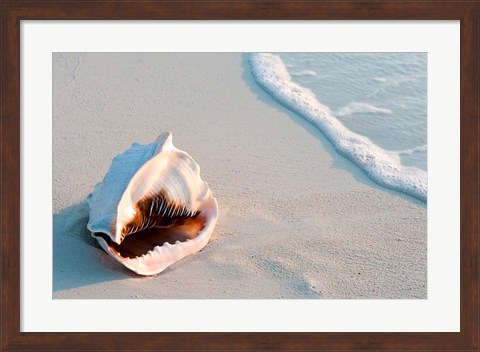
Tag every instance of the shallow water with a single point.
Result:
(371, 106)
(382, 96)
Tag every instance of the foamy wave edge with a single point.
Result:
(380, 165)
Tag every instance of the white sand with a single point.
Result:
(296, 219)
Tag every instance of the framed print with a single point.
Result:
(251, 175)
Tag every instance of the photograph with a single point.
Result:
(239, 175)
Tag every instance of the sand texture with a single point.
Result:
(296, 219)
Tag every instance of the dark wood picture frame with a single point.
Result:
(13, 12)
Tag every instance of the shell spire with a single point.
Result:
(164, 142)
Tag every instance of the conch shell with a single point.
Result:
(152, 208)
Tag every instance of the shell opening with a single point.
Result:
(156, 220)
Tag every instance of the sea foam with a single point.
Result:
(360, 108)
(304, 73)
(382, 166)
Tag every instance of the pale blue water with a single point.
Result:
(371, 106)
(382, 96)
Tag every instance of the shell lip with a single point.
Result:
(166, 252)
